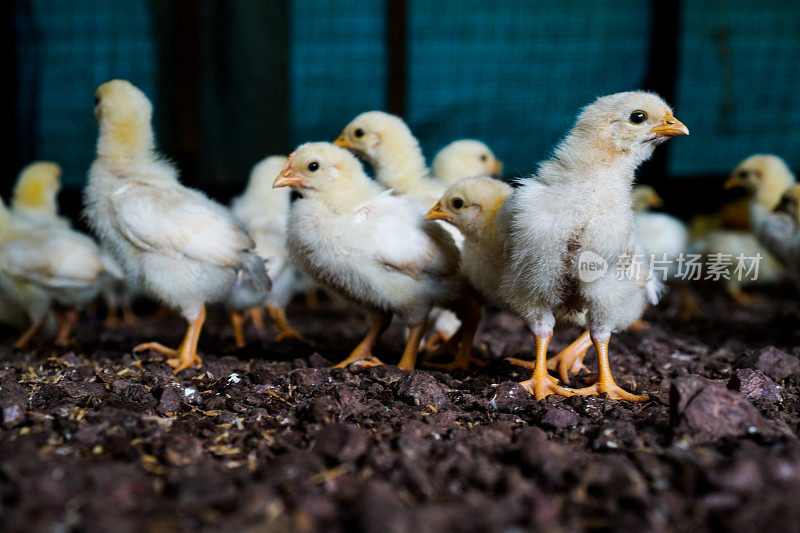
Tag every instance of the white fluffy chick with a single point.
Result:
(471, 205)
(178, 245)
(388, 144)
(368, 245)
(575, 213)
(465, 158)
(764, 177)
(264, 210)
(50, 263)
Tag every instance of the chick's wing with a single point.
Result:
(398, 237)
(178, 222)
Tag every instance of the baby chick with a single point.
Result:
(471, 205)
(263, 210)
(35, 194)
(764, 178)
(49, 263)
(779, 231)
(666, 239)
(466, 158)
(576, 212)
(389, 145)
(179, 246)
(368, 245)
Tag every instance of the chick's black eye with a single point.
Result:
(458, 203)
(96, 99)
(637, 117)
(312, 166)
(359, 132)
(484, 157)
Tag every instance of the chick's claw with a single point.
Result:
(612, 391)
(544, 387)
(156, 347)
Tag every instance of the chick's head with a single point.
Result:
(765, 177)
(645, 197)
(322, 171)
(375, 133)
(790, 204)
(37, 187)
(466, 158)
(471, 205)
(628, 124)
(123, 113)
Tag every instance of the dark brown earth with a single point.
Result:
(269, 438)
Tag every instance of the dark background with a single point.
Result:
(232, 82)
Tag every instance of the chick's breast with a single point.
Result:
(383, 256)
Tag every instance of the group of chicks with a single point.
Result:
(427, 246)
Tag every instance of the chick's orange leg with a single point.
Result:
(237, 321)
(257, 316)
(570, 359)
(415, 334)
(688, 309)
(66, 324)
(605, 381)
(542, 384)
(187, 351)
(285, 330)
(111, 320)
(27, 336)
(363, 352)
(128, 316)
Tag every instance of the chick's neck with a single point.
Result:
(125, 140)
(399, 164)
(349, 196)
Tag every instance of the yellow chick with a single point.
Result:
(34, 198)
(571, 236)
(764, 178)
(465, 158)
(264, 210)
(471, 205)
(370, 246)
(388, 144)
(178, 245)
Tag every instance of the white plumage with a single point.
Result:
(177, 244)
(576, 212)
(367, 244)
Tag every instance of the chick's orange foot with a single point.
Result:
(570, 359)
(285, 330)
(543, 386)
(612, 391)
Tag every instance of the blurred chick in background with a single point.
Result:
(764, 178)
(264, 211)
(49, 264)
(372, 247)
(179, 246)
(472, 205)
(465, 158)
(577, 210)
(779, 231)
(666, 239)
(35, 194)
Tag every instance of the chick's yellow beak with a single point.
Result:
(497, 168)
(655, 200)
(671, 127)
(289, 177)
(343, 142)
(733, 182)
(438, 214)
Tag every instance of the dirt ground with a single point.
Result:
(269, 438)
